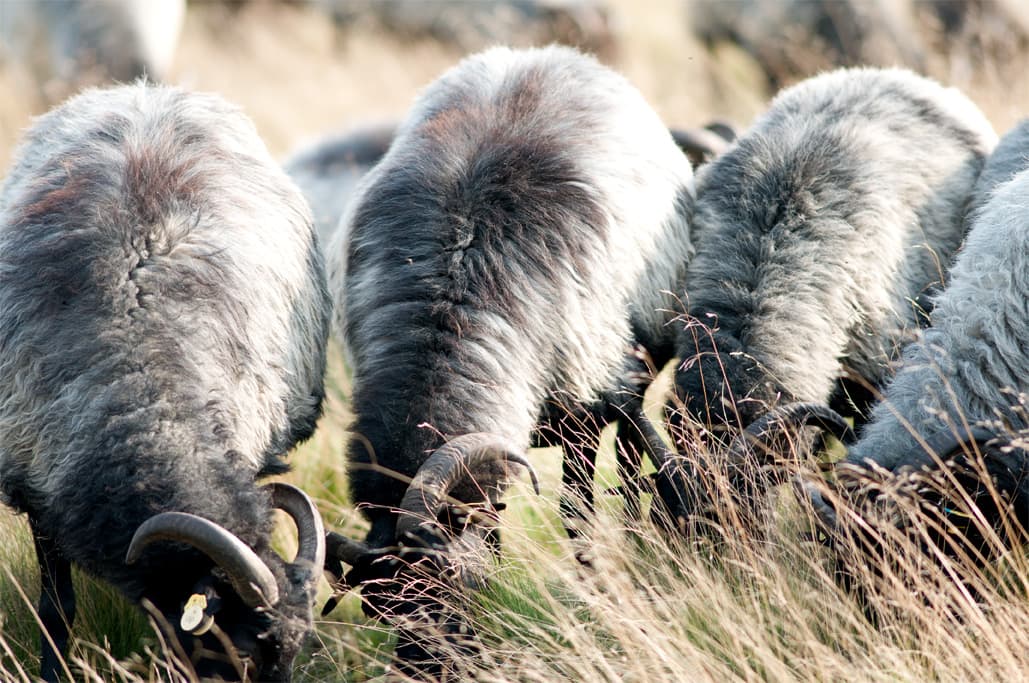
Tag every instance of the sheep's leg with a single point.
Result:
(56, 605)
(578, 432)
(630, 445)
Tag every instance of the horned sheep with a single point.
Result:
(525, 228)
(820, 229)
(961, 391)
(163, 320)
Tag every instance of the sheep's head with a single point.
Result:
(757, 458)
(247, 618)
(961, 493)
(440, 542)
(720, 387)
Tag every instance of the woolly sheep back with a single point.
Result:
(839, 208)
(529, 218)
(163, 320)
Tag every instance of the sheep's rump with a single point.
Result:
(163, 315)
(530, 216)
(827, 221)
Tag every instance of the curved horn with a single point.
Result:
(344, 549)
(722, 129)
(310, 531)
(796, 414)
(251, 578)
(444, 469)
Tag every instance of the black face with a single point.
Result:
(721, 388)
(243, 642)
(415, 584)
(401, 576)
(973, 489)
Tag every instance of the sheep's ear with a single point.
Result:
(197, 615)
(701, 145)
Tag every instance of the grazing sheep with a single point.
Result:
(527, 225)
(962, 387)
(163, 320)
(818, 230)
(328, 171)
(68, 44)
(471, 26)
(794, 39)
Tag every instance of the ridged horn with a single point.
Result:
(251, 578)
(443, 469)
(700, 145)
(310, 530)
(795, 415)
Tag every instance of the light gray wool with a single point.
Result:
(971, 366)
(530, 217)
(840, 207)
(1010, 158)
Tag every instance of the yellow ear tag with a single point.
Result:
(194, 619)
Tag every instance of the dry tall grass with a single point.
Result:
(762, 606)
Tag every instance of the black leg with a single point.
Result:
(56, 605)
(577, 431)
(623, 406)
(630, 445)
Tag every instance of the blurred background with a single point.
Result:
(305, 68)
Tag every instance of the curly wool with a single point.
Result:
(971, 365)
